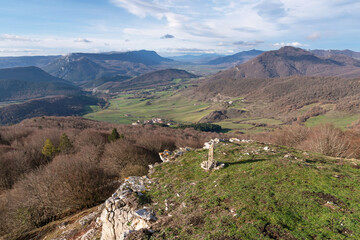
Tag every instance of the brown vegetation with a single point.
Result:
(325, 139)
(35, 189)
(273, 96)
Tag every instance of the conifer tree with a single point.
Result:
(65, 145)
(49, 149)
(114, 135)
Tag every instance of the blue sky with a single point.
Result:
(176, 27)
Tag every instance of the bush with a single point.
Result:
(36, 191)
(291, 136)
(65, 145)
(67, 184)
(49, 149)
(114, 135)
(327, 140)
(121, 156)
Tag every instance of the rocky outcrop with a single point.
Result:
(168, 156)
(123, 212)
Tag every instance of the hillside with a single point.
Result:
(39, 191)
(264, 192)
(270, 97)
(237, 58)
(149, 80)
(76, 69)
(103, 80)
(52, 106)
(31, 82)
(289, 61)
(82, 67)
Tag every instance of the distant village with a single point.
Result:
(152, 121)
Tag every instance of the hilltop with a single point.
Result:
(264, 192)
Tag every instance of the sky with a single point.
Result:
(176, 27)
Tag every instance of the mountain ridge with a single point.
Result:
(81, 67)
(288, 61)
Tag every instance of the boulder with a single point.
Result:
(123, 214)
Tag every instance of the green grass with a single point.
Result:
(306, 108)
(164, 105)
(338, 119)
(258, 196)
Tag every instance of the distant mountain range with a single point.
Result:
(197, 59)
(23, 83)
(237, 58)
(217, 59)
(82, 67)
(289, 61)
(328, 53)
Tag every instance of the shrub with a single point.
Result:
(327, 140)
(65, 145)
(114, 135)
(123, 154)
(49, 149)
(67, 184)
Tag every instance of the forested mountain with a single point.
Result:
(31, 82)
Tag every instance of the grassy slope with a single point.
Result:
(339, 119)
(166, 106)
(258, 196)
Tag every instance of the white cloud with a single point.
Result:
(141, 8)
(15, 38)
(293, 44)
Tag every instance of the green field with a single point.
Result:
(339, 119)
(124, 109)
